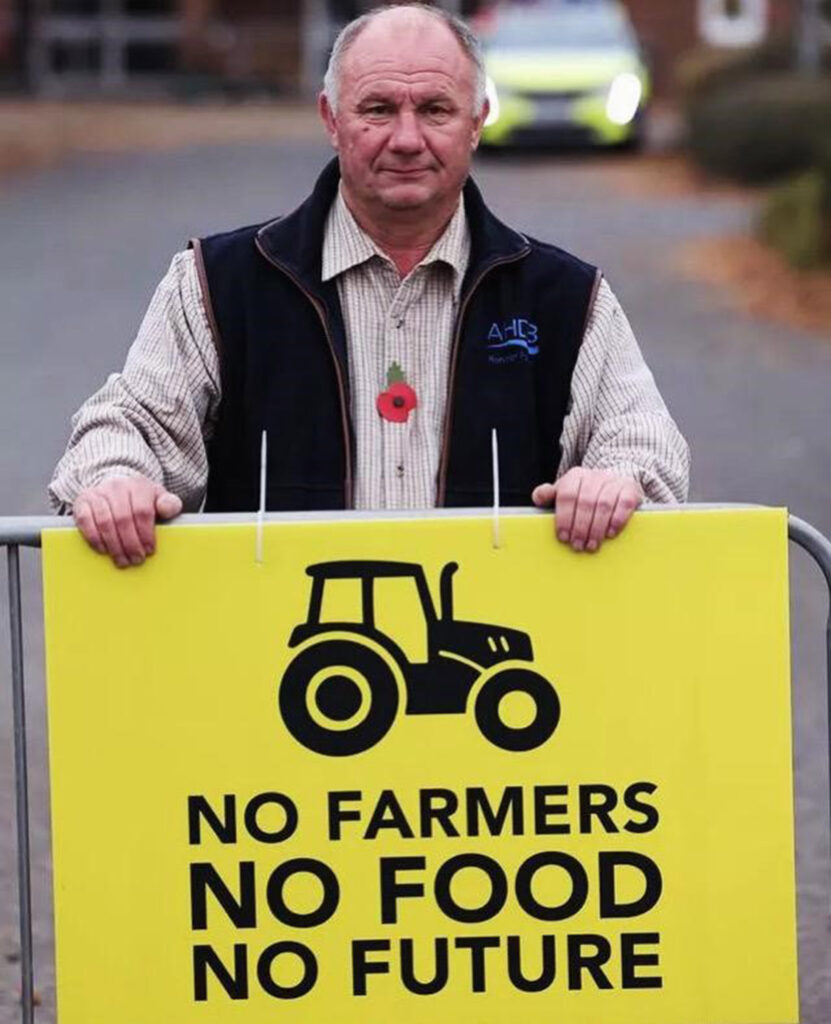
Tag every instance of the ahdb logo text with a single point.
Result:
(512, 341)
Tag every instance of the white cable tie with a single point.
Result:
(258, 555)
(495, 464)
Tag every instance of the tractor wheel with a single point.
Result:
(338, 697)
(517, 681)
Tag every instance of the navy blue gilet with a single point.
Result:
(284, 368)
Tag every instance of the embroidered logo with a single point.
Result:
(513, 341)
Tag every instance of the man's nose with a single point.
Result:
(406, 134)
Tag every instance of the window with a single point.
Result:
(342, 601)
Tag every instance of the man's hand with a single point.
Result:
(590, 505)
(118, 517)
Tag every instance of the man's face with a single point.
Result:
(405, 129)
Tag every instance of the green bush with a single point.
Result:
(708, 69)
(761, 129)
(796, 218)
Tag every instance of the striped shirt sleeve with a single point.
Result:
(618, 420)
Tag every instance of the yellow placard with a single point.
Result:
(394, 773)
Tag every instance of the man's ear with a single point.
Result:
(478, 124)
(327, 115)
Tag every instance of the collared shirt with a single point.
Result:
(154, 417)
(396, 329)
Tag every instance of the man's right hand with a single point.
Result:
(118, 517)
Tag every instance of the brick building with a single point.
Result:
(146, 46)
(670, 28)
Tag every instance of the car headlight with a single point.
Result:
(493, 100)
(624, 98)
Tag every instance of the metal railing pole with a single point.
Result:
(21, 787)
(819, 548)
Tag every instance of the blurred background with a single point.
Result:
(682, 145)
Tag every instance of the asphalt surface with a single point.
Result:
(81, 248)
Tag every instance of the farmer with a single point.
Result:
(378, 334)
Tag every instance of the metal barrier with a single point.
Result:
(17, 532)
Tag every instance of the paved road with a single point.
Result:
(81, 248)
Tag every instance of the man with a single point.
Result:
(378, 334)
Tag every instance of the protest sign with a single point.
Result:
(394, 773)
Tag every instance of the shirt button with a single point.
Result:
(399, 321)
(399, 470)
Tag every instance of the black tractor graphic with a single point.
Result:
(348, 681)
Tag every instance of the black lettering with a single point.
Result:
(266, 962)
(495, 901)
(338, 814)
(256, 831)
(235, 985)
(525, 882)
(225, 828)
(608, 862)
(579, 961)
(477, 946)
(242, 911)
(440, 970)
(308, 865)
(630, 960)
(548, 971)
(438, 805)
(650, 813)
(388, 814)
(544, 809)
(511, 803)
(361, 967)
(606, 803)
(392, 890)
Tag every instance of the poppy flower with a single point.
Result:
(397, 402)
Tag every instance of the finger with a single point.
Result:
(568, 495)
(85, 521)
(628, 501)
(143, 506)
(543, 495)
(604, 507)
(122, 512)
(106, 527)
(584, 510)
(168, 504)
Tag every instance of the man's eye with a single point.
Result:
(376, 109)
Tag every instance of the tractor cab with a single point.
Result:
(377, 599)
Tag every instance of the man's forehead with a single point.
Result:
(392, 80)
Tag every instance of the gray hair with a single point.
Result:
(468, 41)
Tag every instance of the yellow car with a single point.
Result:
(563, 71)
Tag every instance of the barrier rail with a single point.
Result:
(17, 532)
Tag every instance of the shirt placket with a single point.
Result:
(398, 349)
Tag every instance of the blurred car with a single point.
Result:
(563, 71)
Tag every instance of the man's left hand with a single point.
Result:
(590, 505)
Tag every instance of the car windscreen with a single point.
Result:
(571, 29)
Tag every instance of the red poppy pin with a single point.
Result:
(396, 403)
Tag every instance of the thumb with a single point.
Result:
(543, 495)
(168, 505)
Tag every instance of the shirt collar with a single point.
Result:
(347, 245)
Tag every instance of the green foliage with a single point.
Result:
(796, 218)
(708, 69)
(761, 129)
